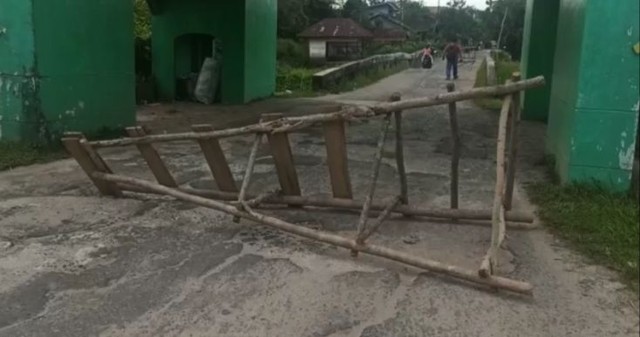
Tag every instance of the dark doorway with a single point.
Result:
(191, 51)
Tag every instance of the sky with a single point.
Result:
(479, 4)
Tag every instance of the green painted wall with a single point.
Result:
(594, 99)
(18, 81)
(245, 30)
(65, 65)
(85, 55)
(261, 44)
(538, 50)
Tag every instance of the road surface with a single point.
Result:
(73, 264)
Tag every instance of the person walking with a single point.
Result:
(427, 57)
(452, 53)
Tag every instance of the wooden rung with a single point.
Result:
(151, 156)
(337, 159)
(216, 160)
(89, 164)
(283, 158)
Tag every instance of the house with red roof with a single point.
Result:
(335, 39)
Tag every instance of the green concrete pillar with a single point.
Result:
(17, 72)
(593, 117)
(65, 66)
(538, 50)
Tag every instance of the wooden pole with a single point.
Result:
(517, 220)
(381, 218)
(73, 145)
(152, 158)
(402, 171)
(335, 140)
(375, 170)
(513, 146)
(498, 227)
(282, 158)
(247, 174)
(455, 151)
(435, 266)
(347, 113)
(216, 160)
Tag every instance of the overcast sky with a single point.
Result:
(480, 4)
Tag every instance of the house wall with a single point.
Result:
(246, 31)
(65, 66)
(17, 73)
(317, 49)
(594, 98)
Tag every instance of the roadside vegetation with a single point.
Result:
(505, 67)
(15, 154)
(600, 224)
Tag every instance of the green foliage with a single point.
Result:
(15, 154)
(408, 46)
(291, 53)
(296, 15)
(602, 225)
(504, 69)
(354, 9)
(294, 79)
(513, 24)
(142, 19)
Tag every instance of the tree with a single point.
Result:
(458, 21)
(142, 19)
(296, 15)
(354, 9)
(513, 24)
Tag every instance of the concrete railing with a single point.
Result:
(490, 63)
(329, 78)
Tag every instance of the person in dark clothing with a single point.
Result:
(452, 53)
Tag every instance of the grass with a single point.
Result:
(15, 154)
(504, 69)
(600, 224)
(298, 80)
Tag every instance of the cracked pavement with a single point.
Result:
(76, 264)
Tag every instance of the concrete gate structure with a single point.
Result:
(585, 50)
(65, 65)
(69, 65)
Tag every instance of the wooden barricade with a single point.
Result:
(276, 129)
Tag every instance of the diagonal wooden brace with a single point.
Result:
(364, 215)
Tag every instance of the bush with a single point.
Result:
(409, 46)
(294, 79)
(291, 53)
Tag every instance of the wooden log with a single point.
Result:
(283, 158)
(151, 156)
(498, 226)
(346, 113)
(329, 238)
(402, 171)
(381, 218)
(455, 150)
(79, 152)
(262, 198)
(517, 220)
(248, 173)
(375, 170)
(490, 260)
(499, 90)
(216, 160)
(336, 144)
(512, 162)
